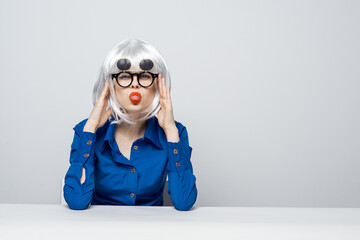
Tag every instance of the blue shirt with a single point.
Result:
(112, 179)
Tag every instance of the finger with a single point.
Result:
(164, 87)
(166, 90)
(109, 112)
(166, 93)
(161, 87)
(158, 81)
(106, 89)
(106, 86)
(168, 96)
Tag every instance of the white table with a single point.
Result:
(31, 221)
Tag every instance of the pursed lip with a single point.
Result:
(136, 94)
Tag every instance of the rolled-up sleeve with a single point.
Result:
(78, 196)
(182, 182)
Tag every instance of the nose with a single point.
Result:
(135, 83)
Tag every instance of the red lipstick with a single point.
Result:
(135, 97)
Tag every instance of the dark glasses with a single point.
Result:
(125, 78)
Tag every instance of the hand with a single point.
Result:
(165, 114)
(99, 115)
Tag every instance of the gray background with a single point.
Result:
(268, 90)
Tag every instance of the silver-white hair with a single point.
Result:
(135, 50)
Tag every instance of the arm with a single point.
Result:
(182, 186)
(78, 195)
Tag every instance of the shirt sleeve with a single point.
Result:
(182, 182)
(78, 196)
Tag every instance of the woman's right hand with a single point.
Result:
(99, 115)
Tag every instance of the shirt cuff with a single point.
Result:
(179, 158)
(85, 149)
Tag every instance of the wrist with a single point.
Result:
(89, 128)
(172, 134)
(171, 128)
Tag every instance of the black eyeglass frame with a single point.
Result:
(115, 75)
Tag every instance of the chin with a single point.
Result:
(136, 107)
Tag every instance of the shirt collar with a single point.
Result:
(151, 132)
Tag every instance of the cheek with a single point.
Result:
(151, 94)
(120, 95)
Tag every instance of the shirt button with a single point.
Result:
(178, 164)
(89, 142)
(133, 170)
(176, 151)
(86, 155)
(132, 195)
(136, 147)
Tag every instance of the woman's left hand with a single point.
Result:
(165, 114)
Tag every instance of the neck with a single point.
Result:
(132, 131)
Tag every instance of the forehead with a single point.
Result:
(136, 70)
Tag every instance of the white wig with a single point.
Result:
(135, 50)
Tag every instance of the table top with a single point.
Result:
(38, 221)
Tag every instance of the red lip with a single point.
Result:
(135, 97)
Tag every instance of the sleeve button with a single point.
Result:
(89, 142)
(178, 164)
(176, 151)
(86, 155)
(132, 195)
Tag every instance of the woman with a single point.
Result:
(121, 156)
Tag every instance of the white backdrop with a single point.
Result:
(268, 90)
